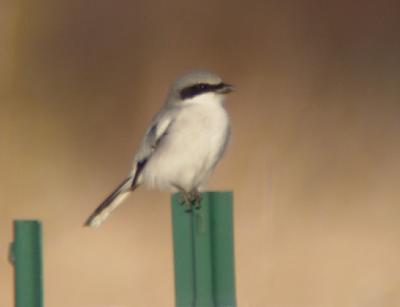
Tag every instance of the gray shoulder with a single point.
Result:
(156, 131)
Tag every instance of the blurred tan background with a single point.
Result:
(314, 160)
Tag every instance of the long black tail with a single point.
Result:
(111, 203)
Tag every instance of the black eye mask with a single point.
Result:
(200, 88)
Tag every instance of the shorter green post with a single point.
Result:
(26, 255)
(203, 252)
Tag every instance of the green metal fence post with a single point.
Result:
(26, 255)
(203, 252)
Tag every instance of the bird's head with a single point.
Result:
(198, 85)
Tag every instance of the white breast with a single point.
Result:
(192, 147)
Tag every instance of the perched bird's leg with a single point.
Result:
(186, 201)
(195, 198)
(189, 200)
(185, 198)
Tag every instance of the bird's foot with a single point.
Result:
(190, 200)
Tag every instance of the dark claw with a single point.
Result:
(190, 200)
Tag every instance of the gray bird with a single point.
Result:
(183, 144)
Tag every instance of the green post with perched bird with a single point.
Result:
(204, 251)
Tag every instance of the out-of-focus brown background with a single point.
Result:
(314, 161)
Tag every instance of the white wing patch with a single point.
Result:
(162, 126)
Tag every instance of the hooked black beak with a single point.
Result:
(225, 88)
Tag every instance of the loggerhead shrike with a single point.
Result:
(184, 142)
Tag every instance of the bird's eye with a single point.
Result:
(195, 90)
